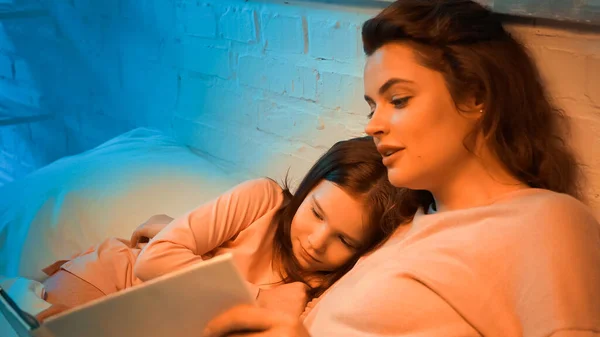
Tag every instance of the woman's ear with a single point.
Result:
(478, 102)
(472, 108)
(472, 111)
(479, 110)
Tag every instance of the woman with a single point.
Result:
(342, 208)
(499, 245)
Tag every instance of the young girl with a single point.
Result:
(498, 245)
(343, 208)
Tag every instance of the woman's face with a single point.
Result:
(328, 228)
(415, 123)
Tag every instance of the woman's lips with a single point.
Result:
(391, 156)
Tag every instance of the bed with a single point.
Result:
(78, 201)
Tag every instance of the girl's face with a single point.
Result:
(415, 123)
(328, 228)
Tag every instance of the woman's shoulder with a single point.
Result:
(549, 202)
(556, 211)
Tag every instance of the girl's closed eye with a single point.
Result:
(346, 242)
(316, 214)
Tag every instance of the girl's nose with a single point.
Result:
(318, 239)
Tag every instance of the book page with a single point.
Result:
(179, 304)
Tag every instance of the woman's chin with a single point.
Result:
(397, 178)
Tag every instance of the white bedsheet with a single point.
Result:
(27, 294)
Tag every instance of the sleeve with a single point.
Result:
(207, 227)
(559, 275)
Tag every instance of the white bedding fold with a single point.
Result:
(27, 294)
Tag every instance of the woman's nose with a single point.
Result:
(378, 124)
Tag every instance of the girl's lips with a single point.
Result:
(308, 257)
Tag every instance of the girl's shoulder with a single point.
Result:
(264, 183)
(265, 187)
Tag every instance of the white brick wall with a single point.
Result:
(283, 33)
(6, 67)
(567, 59)
(333, 39)
(239, 24)
(197, 19)
(208, 60)
(262, 85)
(592, 79)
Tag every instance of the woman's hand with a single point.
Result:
(250, 321)
(290, 298)
(147, 230)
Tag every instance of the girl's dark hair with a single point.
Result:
(355, 166)
(468, 45)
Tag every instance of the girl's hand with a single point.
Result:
(290, 298)
(246, 321)
(149, 229)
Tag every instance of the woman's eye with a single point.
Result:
(400, 103)
(372, 107)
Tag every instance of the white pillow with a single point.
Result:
(78, 201)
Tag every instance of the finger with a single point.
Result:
(134, 239)
(243, 318)
(135, 236)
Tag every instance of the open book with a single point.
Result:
(178, 304)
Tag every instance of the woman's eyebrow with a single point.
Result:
(391, 82)
(387, 85)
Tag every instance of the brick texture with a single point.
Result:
(263, 86)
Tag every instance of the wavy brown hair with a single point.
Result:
(468, 45)
(355, 166)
